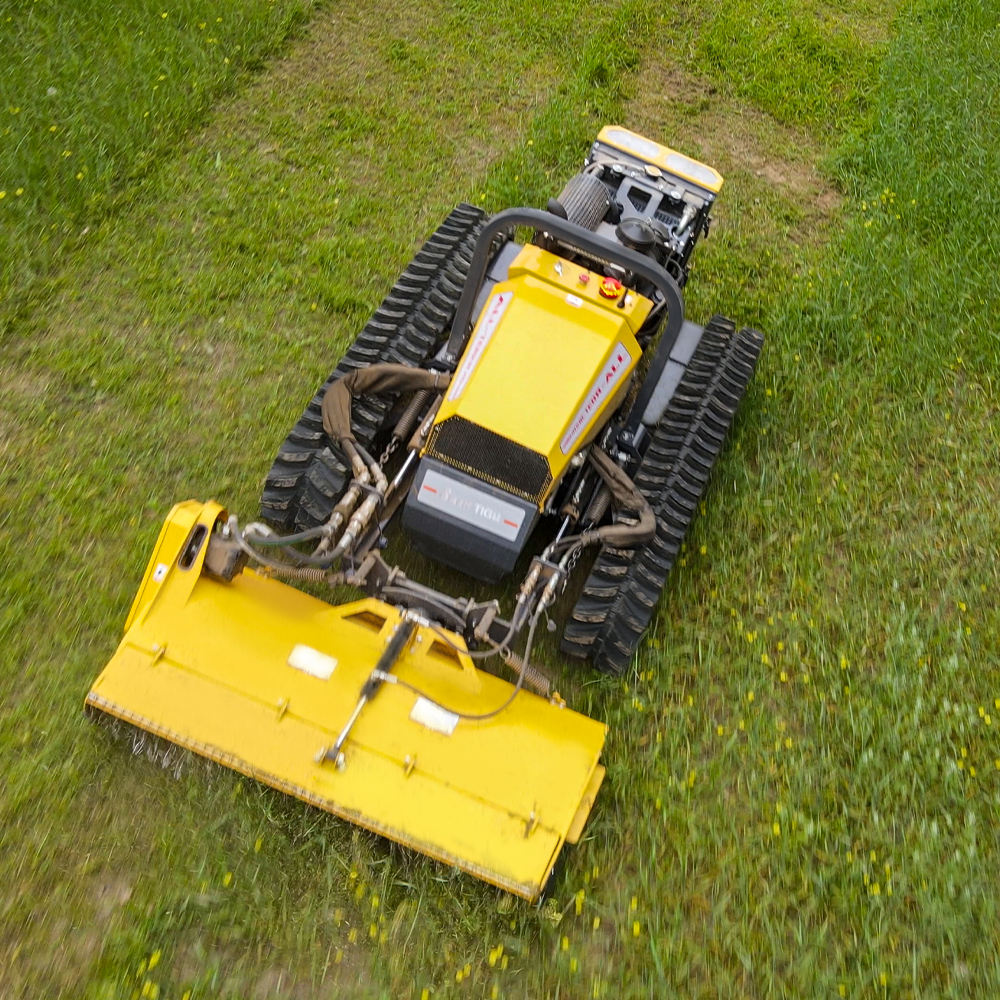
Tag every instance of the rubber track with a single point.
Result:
(310, 473)
(624, 585)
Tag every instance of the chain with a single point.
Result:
(389, 449)
(571, 565)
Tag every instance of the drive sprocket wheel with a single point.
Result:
(310, 473)
(624, 585)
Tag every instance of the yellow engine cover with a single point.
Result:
(549, 359)
(259, 676)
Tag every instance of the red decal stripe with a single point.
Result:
(430, 489)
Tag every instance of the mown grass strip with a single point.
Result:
(92, 95)
(198, 321)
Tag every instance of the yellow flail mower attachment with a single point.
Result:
(365, 710)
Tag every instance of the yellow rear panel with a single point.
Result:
(205, 664)
(662, 156)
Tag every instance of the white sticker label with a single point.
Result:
(160, 573)
(470, 505)
(312, 661)
(434, 717)
(598, 394)
(574, 300)
(492, 315)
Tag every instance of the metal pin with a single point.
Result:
(530, 823)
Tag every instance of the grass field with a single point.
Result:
(93, 96)
(803, 770)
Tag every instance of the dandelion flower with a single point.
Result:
(636, 928)
(597, 920)
(227, 879)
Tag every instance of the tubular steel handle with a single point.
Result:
(579, 238)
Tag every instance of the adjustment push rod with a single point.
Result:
(398, 642)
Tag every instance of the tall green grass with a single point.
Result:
(92, 93)
(923, 247)
(805, 63)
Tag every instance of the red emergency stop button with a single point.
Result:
(611, 288)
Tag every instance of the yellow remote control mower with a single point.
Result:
(509, 404)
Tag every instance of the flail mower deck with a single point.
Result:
(504, 386)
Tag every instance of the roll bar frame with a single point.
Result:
(591, 244)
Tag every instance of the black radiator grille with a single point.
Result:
(491, 457)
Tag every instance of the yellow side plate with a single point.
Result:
(259, 676)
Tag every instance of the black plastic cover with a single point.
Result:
(456, 519)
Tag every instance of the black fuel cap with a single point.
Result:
(636, 235)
